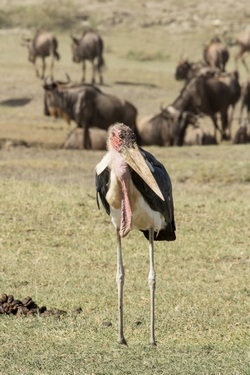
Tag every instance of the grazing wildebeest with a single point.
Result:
(98, 139)
(43, 44)
(243, 41)
(210, 96)
(245, 100)
(89, 107)
(243, 134)
(216, 54)
(186, 70)
(166, 128)
(197, 136)
(89, 47)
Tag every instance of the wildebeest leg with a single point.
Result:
(86, 138)
(100, 74)
(241, 111)
(43, 67)
(216, 127)
(230, 120)
(83, 70)
(36, 69)
(93, 71)
(52, 64)
(224, 121)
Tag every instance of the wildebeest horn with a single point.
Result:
(74, 38)
(162, 108)
(46, 80)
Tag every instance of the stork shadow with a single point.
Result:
(17, 102)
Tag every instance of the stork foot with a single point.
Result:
(153, 343)
(122, 341)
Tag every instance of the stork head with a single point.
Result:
(121, 136)
(123, 140)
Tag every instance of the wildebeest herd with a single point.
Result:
(208, 90)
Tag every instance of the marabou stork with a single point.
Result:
(136, 192)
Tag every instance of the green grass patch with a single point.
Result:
(58, 248)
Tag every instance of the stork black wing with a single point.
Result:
(101, 184)
(166, 208)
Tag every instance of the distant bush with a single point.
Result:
(61, 16)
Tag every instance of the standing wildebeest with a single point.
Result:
(216, 54)
(43, 44)
(89, 47)
(245, 100)
(231, 80)
(243, 41)
(210, 95)
(89, 107)
(167, 128)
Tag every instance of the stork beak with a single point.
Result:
(136, 161)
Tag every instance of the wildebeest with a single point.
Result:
(231, 80)
(216, 54)
(243, 41)
(89, 107)
(186, 70)
(43, 44)
(197, 136)
(89, 47)
(166, 128)
(245, 100)
(243, 134)
(210, 96)
(98, 139)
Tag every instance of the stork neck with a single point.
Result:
(122, 171)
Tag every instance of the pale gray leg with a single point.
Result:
(152, 284)
(120, 283)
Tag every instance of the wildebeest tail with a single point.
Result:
(100, 62)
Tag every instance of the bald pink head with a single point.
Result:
(121, 135)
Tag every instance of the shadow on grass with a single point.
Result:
(17, 102)
(136, 84)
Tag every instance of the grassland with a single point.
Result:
(58, 248)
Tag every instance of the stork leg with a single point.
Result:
(120, 283)
(152, 284)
